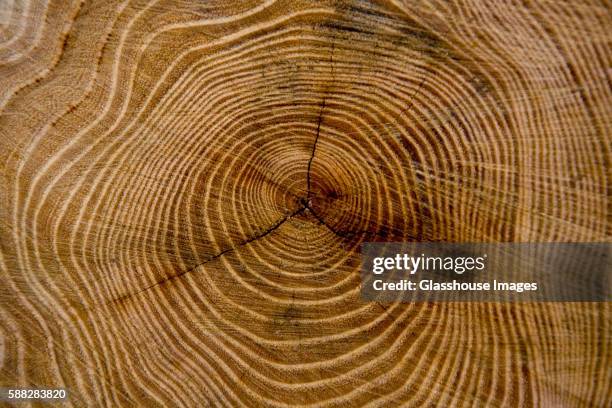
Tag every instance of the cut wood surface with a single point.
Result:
(186, 185)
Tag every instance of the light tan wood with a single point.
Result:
(186, 184)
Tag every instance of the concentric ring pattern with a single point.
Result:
(186, 186)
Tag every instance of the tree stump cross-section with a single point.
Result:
(186, 186)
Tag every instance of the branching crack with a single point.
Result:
(266, 232)
(305, 206)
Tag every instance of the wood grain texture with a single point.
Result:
(186, 184)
